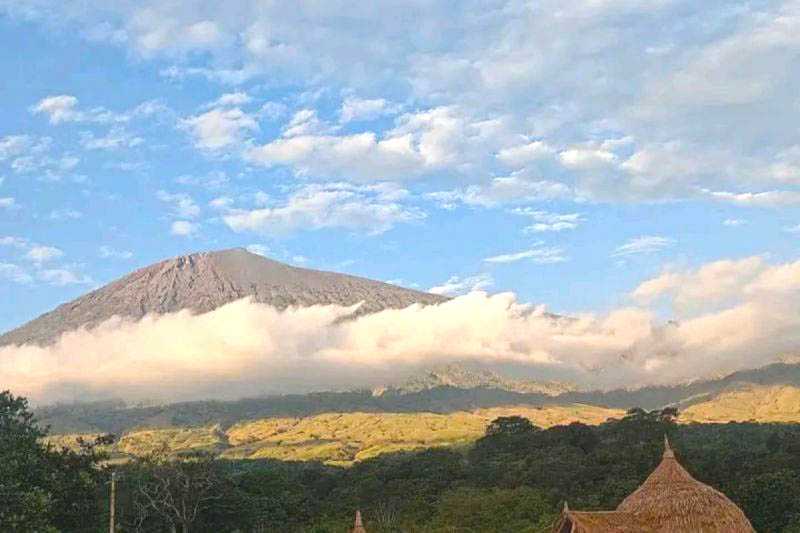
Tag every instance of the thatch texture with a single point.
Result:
(605, 521)
(671, 500)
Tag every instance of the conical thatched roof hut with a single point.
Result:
(669, 501)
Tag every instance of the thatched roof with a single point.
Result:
(596, 521)
(671, 500)
(358, 527)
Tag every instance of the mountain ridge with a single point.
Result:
(204, 281)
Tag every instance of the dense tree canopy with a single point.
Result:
(43, 489)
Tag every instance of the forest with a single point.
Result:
(515, 478)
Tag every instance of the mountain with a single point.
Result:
(204, 281)
(459, 376)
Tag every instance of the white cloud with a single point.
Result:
(16, 145)
(213, 180)
(272, 110)
(115, 139)
(14, 273)
(586, 158)
(59, 108)
(501, 190)
(183, 205)
(702, 287)
(15, 242)
(61, 277)
(236, 99)
(562, 77)
(7, 202)
(645, 244)
(756, 199)
(43, 254)
(183, 228)
(108, 252)
(221, 202)
(28, 154)
(520, 155)
(65, 214)
(258, 249)
(64, 108)
(305, 123)
(419, 143)
(546, 221)
(734, 222)
(457, 285)
(538, 255)
(219, 128)
(358, 109)
(374, 208)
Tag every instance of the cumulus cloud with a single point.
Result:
(586, 158)
(182, 205)
(356, 109)
(558, 79)
(43, 254)
(710, 283)
(376, 208)
(419, 143)
(520, 155)
(184, 228)
(236, 99)
(8, 202)
(219, 128)
(59, 108)
(456, 285)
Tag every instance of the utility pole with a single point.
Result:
(112, 503)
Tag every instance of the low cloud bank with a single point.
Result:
(729, 315)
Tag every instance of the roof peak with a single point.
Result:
(358, 527)
(668, 453)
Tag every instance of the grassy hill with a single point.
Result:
(777, 403)
(341, 438)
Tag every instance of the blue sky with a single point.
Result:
(563, 151)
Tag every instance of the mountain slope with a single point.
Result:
(204, 281)
(461, 376)
(777, 403)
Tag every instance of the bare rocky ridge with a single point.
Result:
(461, 376)
(204, 281)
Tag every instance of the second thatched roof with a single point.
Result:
(671, 500)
